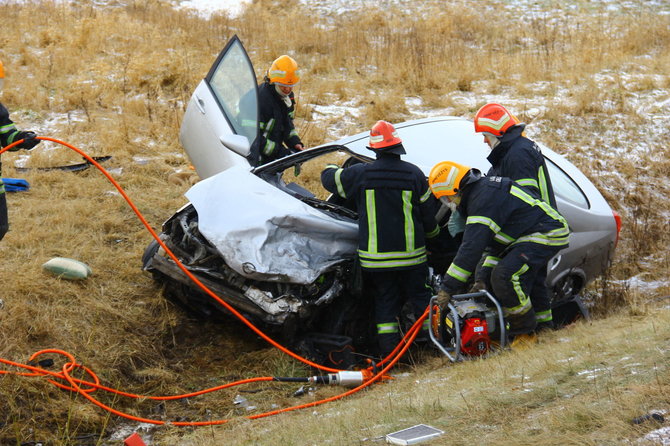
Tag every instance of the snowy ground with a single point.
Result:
(336, 7)
(207, 7)
(654, 108)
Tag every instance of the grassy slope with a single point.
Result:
(114, 81)
(582, 385)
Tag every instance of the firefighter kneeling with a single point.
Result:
(517, 232)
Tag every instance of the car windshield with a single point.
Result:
(234, 85)
(308, 174)
(300, 173)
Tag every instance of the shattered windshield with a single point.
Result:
(308, 174)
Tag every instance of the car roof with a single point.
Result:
(434, 139)
(430, 140)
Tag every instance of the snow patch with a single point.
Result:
(659, 437)
(594, 373)
(206, 8)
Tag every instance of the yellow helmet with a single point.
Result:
(446, 177)
(284, 71)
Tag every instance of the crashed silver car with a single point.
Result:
(277, 248)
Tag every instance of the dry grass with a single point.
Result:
(115, 80)
(582, 386)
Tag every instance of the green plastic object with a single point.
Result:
(69, 269)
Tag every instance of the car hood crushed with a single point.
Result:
(264, 234)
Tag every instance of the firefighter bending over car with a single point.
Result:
(519, 232)
(278, 136)
(520, 159)
(396, 217)
(8, 135)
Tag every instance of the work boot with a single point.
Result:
(423, 337)
(521, 323)
(520, 330)
(544, 327)
(523, 341)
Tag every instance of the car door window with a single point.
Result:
(233, 82)
(565, 187)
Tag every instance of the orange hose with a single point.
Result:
(75, 384)
(176, 260)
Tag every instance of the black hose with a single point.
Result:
(290, 380)
(324, 379)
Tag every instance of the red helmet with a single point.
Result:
(384, 138)
(494, 119)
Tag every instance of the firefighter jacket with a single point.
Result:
(277, 136)
(500, 214)
(8, 134)
(395, 216)
(520, 159)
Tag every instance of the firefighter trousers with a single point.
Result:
(520, 274)
(390, 290)
(4, 221)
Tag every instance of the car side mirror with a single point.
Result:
(237, 143)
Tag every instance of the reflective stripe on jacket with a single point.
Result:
(278, 135)
(8, 134)
(8, 131)
(394, 214)
(499, 213)
(520, 159)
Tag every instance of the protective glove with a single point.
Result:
(29, 140)
(478, 286)
(443, 298)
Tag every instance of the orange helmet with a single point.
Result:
(494, 119)
(284, 71)
(447, 178)
(2, 75)
(384, 138)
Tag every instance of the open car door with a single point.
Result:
(221, 119)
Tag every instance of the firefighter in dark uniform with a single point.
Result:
(395, 219)
(8, 135)
(519, 229)
(516, 157)
(278, 136)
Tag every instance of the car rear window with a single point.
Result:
(565, 187)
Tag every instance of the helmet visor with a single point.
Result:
(450, 201)
(491, 139)
(284, 84)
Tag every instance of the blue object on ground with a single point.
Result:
(15, 184)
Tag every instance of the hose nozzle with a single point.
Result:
(343, 378)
